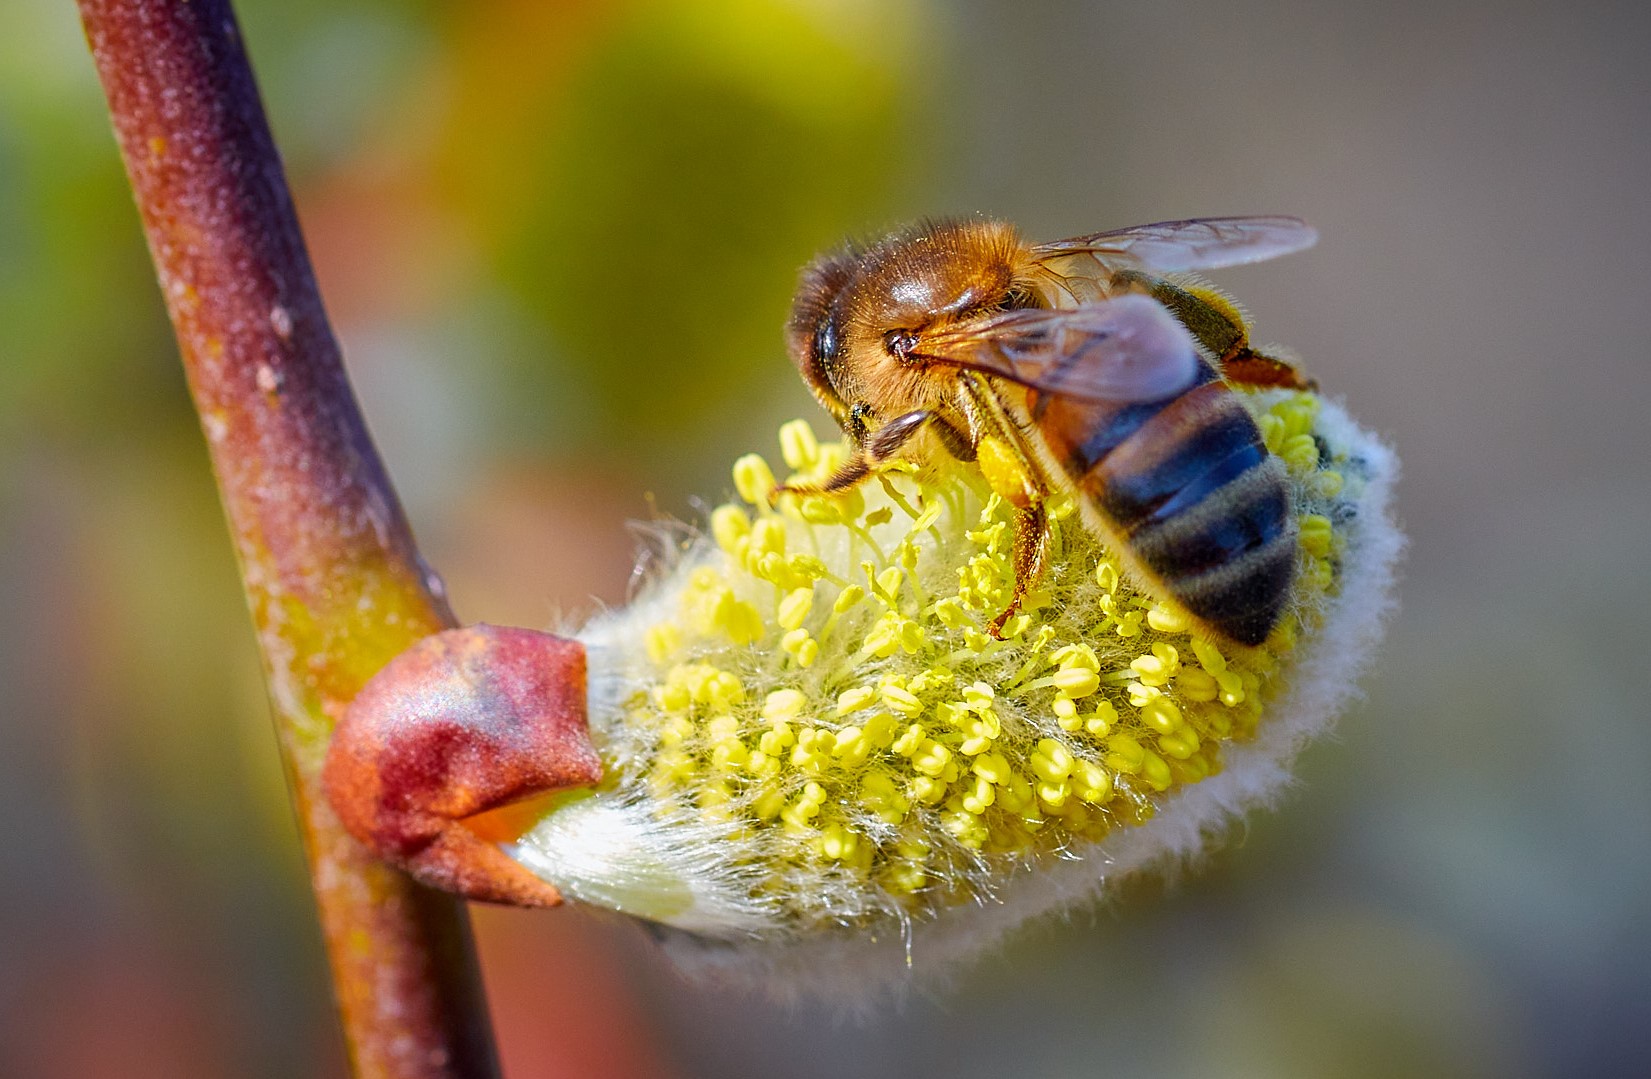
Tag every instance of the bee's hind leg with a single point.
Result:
(1248, 367)
(1031, 549)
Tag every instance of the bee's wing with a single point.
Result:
(1128, 349)
(1207, 243)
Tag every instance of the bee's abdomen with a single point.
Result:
(1204, 506)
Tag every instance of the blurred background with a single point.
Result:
(558, 241)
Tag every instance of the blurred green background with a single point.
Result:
(558, 240)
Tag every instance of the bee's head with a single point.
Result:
(814, 334)
(861, 311)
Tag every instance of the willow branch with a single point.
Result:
(332, 576)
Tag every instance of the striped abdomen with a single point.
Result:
(1189, 484)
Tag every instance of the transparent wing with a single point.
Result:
(1128, 349)
(1207, 243)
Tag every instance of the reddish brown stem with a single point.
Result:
(335, 584)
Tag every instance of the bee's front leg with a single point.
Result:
(881, 445)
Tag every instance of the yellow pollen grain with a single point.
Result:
(753, 479)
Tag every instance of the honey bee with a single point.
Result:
(1081, 366)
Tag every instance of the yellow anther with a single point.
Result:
(1161, 715)
(1180, 745)
(741, 621)
(769, 802)
(1140, 693)
(1076, 681)
(992, 767)
(905, 878)
(902, 700)
(1209, 657)
(1166, 619)
(931, 758)
(674, 732)
(966, 828)
(1091, 783)
(722, 688)
(807, 567)
(880, 730)
(979, 797)
(730, 753)
(821, 510)
(794, 608)
(910, 740)
(851, 746)
(1073, 656)
(1066, 714)
(930, 678)
(1158, 668)
(672, 697)
(799, 816)
(771, 566)
(911, 637)
(928, 791)
(1230, 686)
(1052, 761)
(839, 843)
(798, 445)
(783, 703)
(801, 646)
(852, 700)
(1106, 575)
(848, 597)
(729, 525)
(1015, 795)
(768, 537)
(1195, 684)
(1272, 431)
(753, 479)
(1100, 721)
(1124, 754)
(1053, 795)
(1329, 483)
(889, 581)
(1316, 533)
(777, 739)
(713, 795)
(1155, 771)
(950, 612)
(1300, 452)
(663, 641)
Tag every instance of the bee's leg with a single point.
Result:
(1009, 475)
(1031, 548)
(1251, 368)
(1220, 327)
(882, 444)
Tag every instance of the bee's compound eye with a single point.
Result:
(899, 343)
